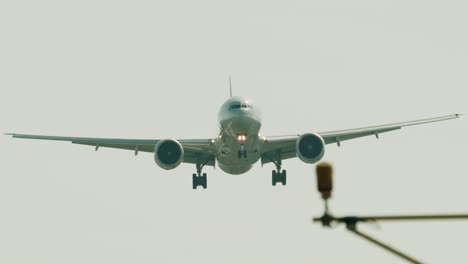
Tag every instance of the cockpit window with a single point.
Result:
(238, 105)
(234, 106)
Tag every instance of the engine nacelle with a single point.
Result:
(168, 154)
(310, 148)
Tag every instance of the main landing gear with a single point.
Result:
(199, 178)
(278, 175)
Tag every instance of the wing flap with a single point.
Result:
(338, 137)
(135, 147)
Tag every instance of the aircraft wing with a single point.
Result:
(193, 148)
(285, 147)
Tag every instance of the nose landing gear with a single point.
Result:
(242, 152)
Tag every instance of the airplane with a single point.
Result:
(238, 145)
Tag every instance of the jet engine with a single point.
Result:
(310, 148)
(168, 154)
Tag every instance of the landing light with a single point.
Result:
(241, 137)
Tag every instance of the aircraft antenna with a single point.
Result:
(230, 86)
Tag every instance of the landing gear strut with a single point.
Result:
(199, 178)
(242, 152)
(278, 175)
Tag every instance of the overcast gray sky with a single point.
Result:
(159, 69)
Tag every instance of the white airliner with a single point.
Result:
(239, 144)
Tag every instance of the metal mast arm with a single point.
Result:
(414, 217)
(352, 228)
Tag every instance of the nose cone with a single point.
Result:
(239, 116)
(238, 107)
(241, 124)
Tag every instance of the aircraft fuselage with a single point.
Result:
(239, 142)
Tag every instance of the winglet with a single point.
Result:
(459, 115)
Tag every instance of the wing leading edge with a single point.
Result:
(284, 148)
(341, 135)
(194, 149)
(145, 145)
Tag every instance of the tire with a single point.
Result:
(194, 181)
(273, 178)
(283, 177)
(204, 181)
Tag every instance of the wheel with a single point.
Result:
(283, 177)
(273, 178)
(194, 181)
(204, 180)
